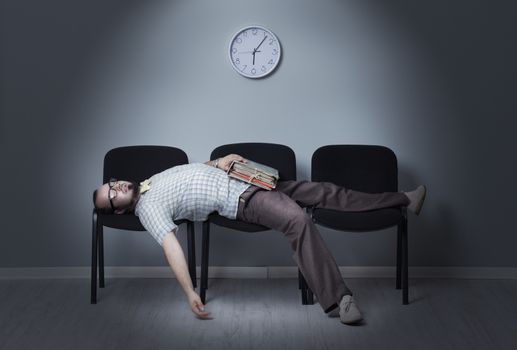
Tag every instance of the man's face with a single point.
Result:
(123, 195)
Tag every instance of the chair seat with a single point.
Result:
(235, 224)
(358, 221)
(121, 221)
(126, 221)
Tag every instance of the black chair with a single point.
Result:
(134, 163)
(277, 156)
(365, 168)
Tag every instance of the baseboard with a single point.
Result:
(260, 272)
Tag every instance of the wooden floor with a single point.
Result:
(255, 314)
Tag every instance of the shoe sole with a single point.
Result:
(351, 321)
(421, 202)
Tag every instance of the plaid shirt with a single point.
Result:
(190, 191)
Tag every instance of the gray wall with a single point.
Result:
(432, 80)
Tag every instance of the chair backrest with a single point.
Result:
(280, 157)
(365, 168)
(141, 162)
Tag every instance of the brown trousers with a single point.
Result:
(280, 209)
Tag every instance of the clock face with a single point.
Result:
(254, 51)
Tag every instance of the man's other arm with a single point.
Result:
(176, 259)
(224, 162)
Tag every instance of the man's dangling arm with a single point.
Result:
(176, 259)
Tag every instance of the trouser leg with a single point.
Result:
(330, 196)
(276, 210)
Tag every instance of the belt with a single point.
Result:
(245, 197)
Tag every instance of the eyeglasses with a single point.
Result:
(112, 193)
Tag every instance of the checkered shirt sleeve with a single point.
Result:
(156, 221)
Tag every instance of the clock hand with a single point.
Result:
(253, 53)
(255, 50)
(261, 43)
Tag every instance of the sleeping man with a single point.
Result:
(193, 191)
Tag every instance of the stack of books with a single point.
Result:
(254, 173)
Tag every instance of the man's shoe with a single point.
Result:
(416, 199)
(348, 311)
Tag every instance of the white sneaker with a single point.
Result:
(348, 311)
(416, 199)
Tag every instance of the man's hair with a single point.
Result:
(100, 210)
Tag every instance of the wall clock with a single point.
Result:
(254, 51)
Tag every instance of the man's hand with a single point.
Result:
(224, 163)
(196, 305)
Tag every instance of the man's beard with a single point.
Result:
(135, 194)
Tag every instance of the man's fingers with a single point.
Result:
(239, 158)
(203, 314)
(200, 312)
(200, 308)
(235, 156)
(199, 305)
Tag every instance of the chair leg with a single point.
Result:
(191, 239)
(307, 295)
(310, 296)
(404, 244)
(204, 260)
(399, 255)
(303, 287)
(93, 293)
(100, 231)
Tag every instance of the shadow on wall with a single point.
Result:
(50, 50)
(436, 223)
(470, 46)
